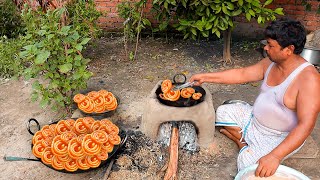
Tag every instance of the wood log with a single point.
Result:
(171, 172)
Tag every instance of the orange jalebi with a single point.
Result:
(78, 98)
(47, 155)
(71, 165)
(196, 96)
(99, 136)
(187, 92)
(67, 136)
(166, 86)
(93, 161)
(80, 128)
(38, 149)
(107, 146)
(103, 154)
(73, 145)
(114, 139)
(96, 101)
(75, 149)
(62, 127)
(37, 137)
(56, 164)
(82, 163)
(95, 126)
(172, 95)
(89, 146)
(58, 147)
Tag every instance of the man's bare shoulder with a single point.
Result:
(309, 78)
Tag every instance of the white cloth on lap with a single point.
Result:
(260, 139)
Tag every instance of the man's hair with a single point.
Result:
(287, 32)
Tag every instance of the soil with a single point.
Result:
(132, 81)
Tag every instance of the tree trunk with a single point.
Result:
(227, 46)
(173, 159)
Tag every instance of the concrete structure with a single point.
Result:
(201, 115)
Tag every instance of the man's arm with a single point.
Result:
(308, 108)
(234, 76)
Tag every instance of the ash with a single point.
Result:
(187, 135)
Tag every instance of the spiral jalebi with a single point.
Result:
(89, 146)
(67, 136)
(107, 146)
(172, 95)
(88, 121)
(75, 149)
(62, 127)
(99, 109)
(87, 105)
(110, 101)
(113, 129)
(82, 163)
(187, 92)
(56, 164)
(166, 86)
(93, 161)
(95, 126)
(114, 139)
(71, 165)
(52, 127)
(37, 137)
(96, 101)
(103, 155)
(38, 149)
(58, 147)
(99, 136)
(64, 158)
(93, 95)
(79, 127)
(78, 98)
(196, 96)
(47, 155)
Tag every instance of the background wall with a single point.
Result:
(293, 9)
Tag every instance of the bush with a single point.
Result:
(10, 63)
(10, 21)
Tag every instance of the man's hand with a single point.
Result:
(268, 165)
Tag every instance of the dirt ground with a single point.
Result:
(132, 81)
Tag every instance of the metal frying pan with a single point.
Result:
(181, 102)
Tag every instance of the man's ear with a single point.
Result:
(290, 49)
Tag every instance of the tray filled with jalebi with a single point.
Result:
(96, 102)
(74, 146)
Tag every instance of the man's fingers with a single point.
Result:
(258, 170)
(263, 172)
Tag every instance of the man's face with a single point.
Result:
(275, 52)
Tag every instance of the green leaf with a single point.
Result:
(50, 36)
(279, 11)
(217, 33)
(208, 26)
(79, 47)
(146, 22)
(85, 41)
(186, 36)
(42, 57)
(259, 19)
(212, 18)
(267, 2)
(65, 68)
(248, 16)
(251, 12)
(180, 28)
(236, 13)
(65, 30)
(230, 6)
(194, 31)
(214, 30)
(205, 33)
(240, 2)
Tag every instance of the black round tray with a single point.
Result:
(116, 148)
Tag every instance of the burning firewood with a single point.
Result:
(173, 150)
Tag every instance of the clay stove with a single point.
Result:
(201, 115)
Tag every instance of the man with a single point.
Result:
(286, 109)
